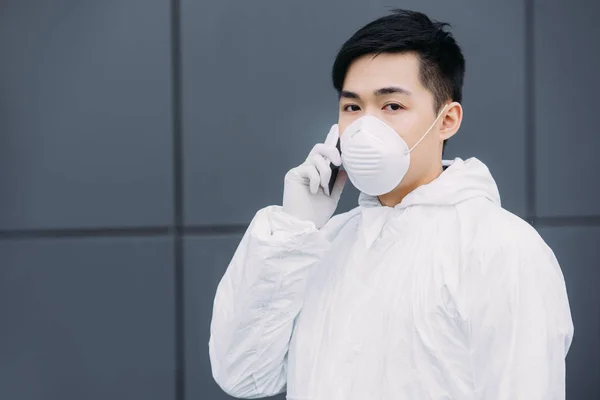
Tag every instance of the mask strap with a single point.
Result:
(432, 125)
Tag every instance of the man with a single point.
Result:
(428, 289)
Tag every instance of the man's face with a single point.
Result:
(388, 87)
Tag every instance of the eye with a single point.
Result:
(393, 107)
(351, 108)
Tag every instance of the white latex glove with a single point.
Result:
(306, 188)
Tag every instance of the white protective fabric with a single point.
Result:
(445, 296)
(306, 188)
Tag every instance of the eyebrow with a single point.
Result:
(391, 90)
(379, 92)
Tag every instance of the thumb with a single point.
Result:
(338, 186)
(332, 136)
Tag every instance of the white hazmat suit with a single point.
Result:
(444, 296)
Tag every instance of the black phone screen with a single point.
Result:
(334, 169)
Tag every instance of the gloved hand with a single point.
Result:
(306, 188)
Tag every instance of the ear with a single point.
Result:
(451, 120)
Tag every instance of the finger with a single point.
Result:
(332, 136)
(310, 171)
(329, 152)
(324, 169)
(338, 186)
(309, 176)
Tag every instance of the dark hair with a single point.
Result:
(442, 65)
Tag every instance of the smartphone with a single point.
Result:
(334, 169)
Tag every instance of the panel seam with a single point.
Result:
(178, 206)
(530, 125)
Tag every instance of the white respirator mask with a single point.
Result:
(375, 156)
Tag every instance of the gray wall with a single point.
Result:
(121, 204)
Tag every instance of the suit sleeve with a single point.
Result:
(520, 321)
(257, 301)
